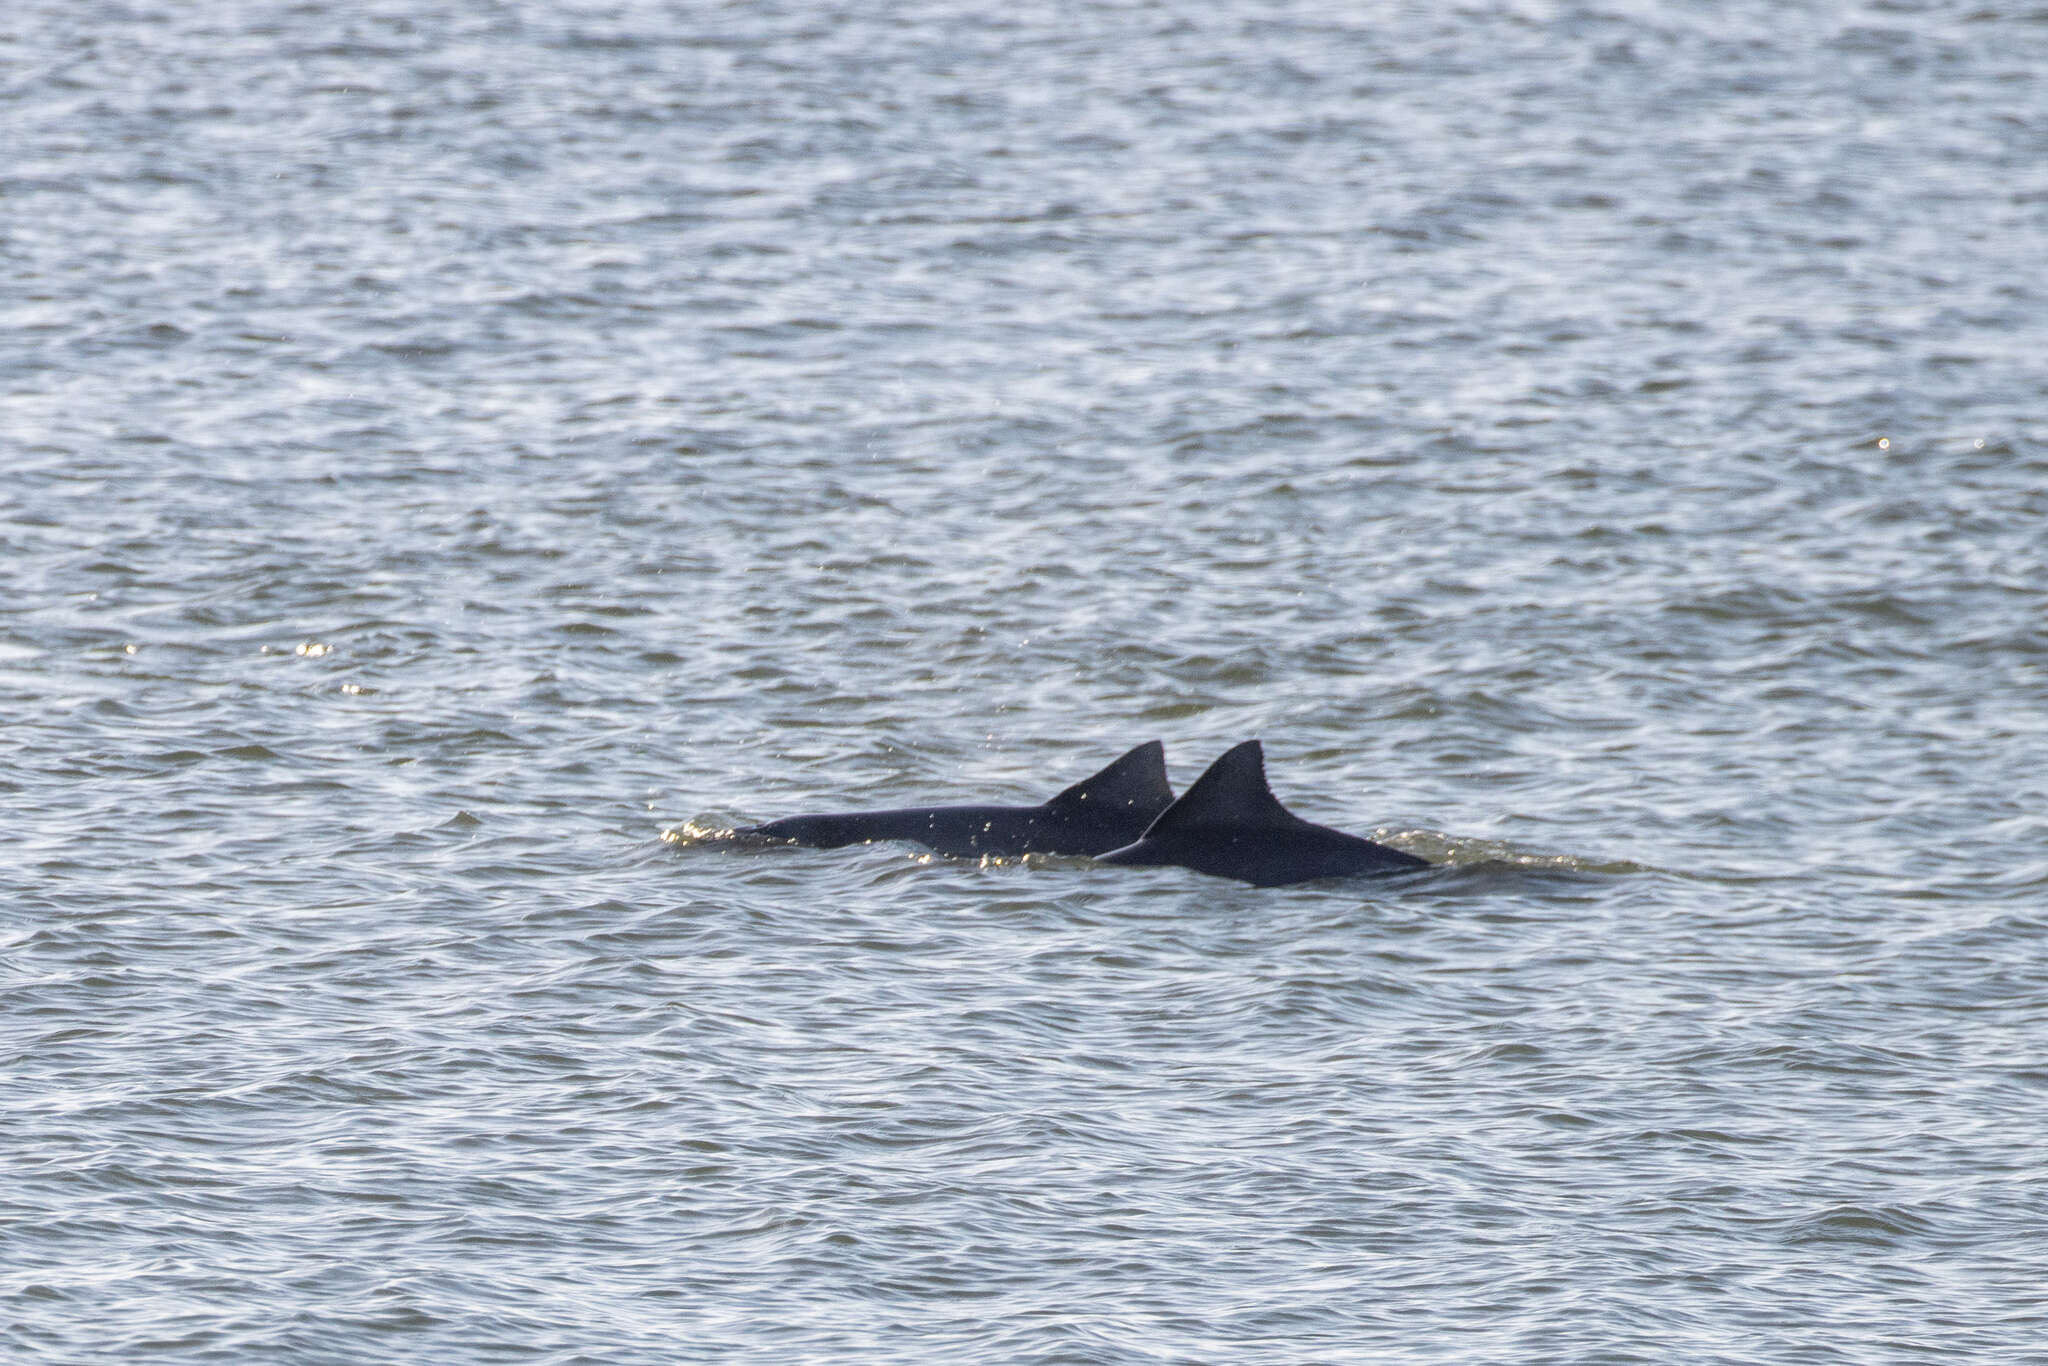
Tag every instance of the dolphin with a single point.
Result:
(1093, 816)
(1229, 824)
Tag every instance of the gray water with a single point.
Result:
(456, 457)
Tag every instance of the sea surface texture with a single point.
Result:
(459, 458)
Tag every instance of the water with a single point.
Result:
(453, 456)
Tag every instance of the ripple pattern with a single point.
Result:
(457, 456)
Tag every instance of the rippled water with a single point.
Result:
(454, 455)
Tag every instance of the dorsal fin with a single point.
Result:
(1137, 781)
(1232, 793)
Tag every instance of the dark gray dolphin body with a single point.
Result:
(1094, 815)
(1229, 824)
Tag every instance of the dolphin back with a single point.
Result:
(1229, 824)
(1099, 813)
(1135, 783)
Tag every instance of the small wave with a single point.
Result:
(1881, 1226)
(1460, 852)
(709, 830)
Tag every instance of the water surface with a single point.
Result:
(453, 453)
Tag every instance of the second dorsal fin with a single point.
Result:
(1232, 792)
(1135, 782)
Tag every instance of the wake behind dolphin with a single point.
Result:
(1229, 824)
(1103, 812)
